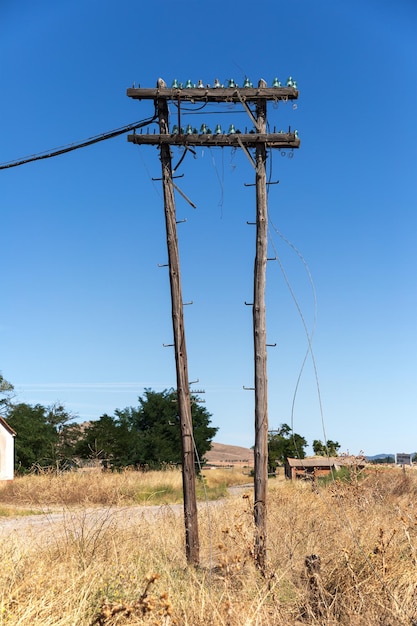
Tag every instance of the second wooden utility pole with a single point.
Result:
(259, 335)
(183, 392)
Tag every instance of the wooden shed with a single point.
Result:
(314, 467)
(7, 435)
(311, 468)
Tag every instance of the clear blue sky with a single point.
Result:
(85, 309)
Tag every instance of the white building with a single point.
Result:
(7, 436)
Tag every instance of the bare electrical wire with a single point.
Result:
(220, 179)
(310, 334)
(310, 350)
(203, 106)
(77, 145)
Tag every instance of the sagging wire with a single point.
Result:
(184, 154)
(48, 154)
(309, 335)
(220, 179)
(145, 165)
(212, 105)
(213, 112)
(203, 106)
(311, 352)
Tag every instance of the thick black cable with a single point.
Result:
(188, 109)
(76, 146)
(181, 159)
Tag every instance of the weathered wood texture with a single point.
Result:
(250, 140)
(260, 140)
(259, 334)
(183, 392)
(220, 94)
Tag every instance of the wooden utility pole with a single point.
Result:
(259, 140)
(259, 335)
(183, 391)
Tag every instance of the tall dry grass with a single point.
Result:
(358, 538)
(51, 488)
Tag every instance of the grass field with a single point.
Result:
(112, 489)
(362, 533)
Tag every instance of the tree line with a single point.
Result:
(145, 436)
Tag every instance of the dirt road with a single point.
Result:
(46, 527)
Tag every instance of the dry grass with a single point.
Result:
(112, 489)
(364, 533)
(8, 510)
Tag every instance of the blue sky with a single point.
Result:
(85, 309)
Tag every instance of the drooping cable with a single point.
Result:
(194, 110)
(48, 154)
(220, 179)
(309, 350)
(309, 334)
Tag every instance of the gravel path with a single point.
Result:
(46, 527)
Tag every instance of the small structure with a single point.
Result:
(311, 468)
(7, 435)
(401, 458)
(314, 467)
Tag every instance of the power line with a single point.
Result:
(260, 140)
(80, 144)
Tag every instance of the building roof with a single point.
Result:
(6, 426)
(326, 461)
(318, 461)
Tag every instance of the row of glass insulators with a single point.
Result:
(204, 130)
(230, 84)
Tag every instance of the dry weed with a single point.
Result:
(343, 554)
(111, 488)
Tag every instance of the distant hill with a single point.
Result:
(222, 455)
(376, 457)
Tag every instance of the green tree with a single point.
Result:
(148, 434)
(157, 420)
(283, 444)
(107, 439)
(6, 392)
(38, 434)
(330, 448)
(68, 437)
